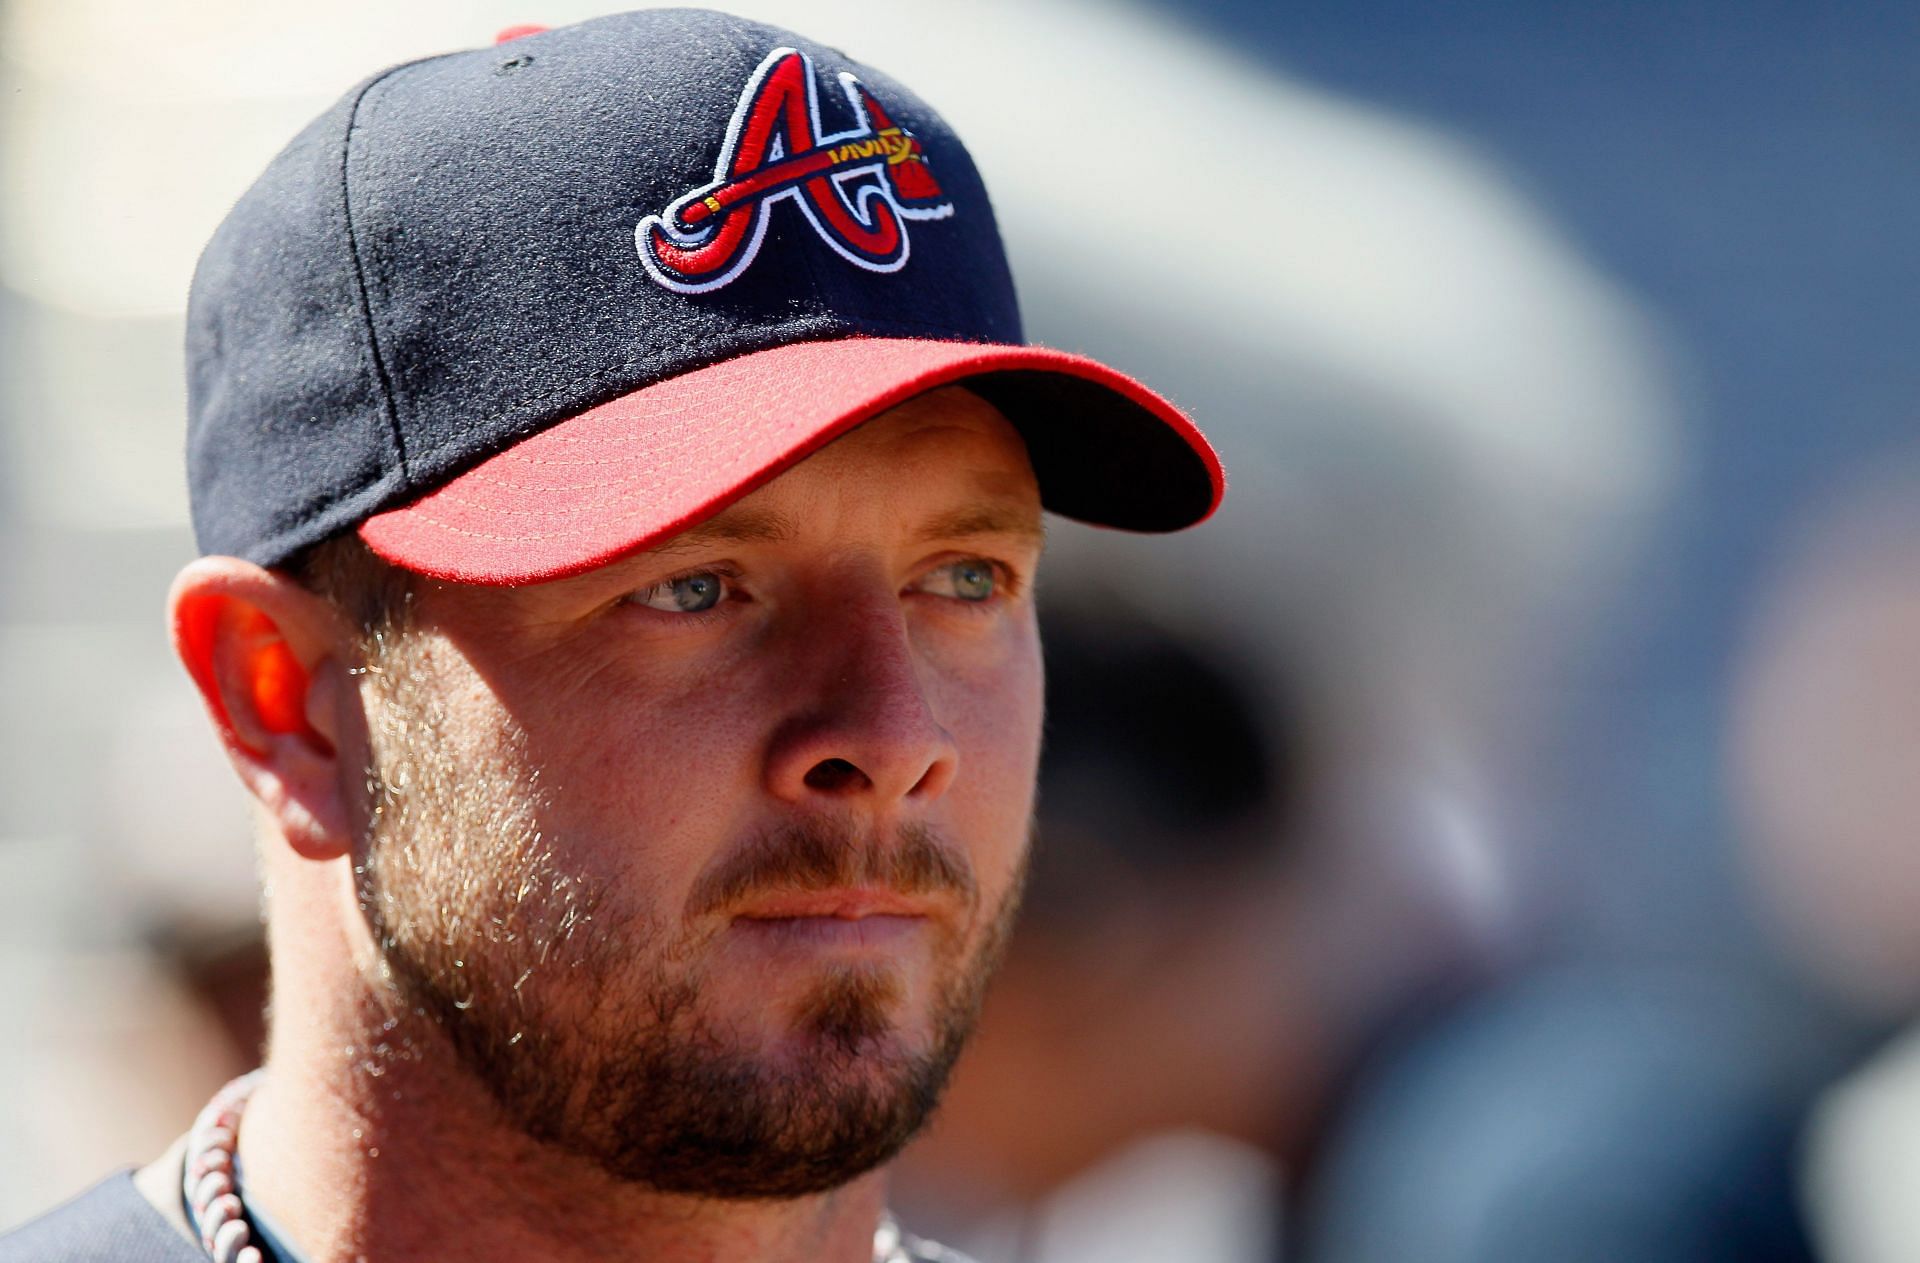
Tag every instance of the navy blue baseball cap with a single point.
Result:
(513, 312)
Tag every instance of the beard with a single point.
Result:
(583, 1020)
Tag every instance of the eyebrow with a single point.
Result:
(735, 527)
(996, 519)
(769, 527)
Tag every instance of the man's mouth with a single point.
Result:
(845, 903)
(851, 918)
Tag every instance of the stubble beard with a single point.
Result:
(585, 1025)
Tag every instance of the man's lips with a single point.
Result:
(833, 918)
(847, 904)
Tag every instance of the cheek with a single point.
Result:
(643, 773)
(993, 709)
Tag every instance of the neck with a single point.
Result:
(357, 1153)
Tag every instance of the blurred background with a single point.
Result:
(1486, 840)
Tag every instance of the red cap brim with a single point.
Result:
(643, 467)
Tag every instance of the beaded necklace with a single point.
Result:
(211, 1186)
(209, 1182)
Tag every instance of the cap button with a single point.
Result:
(515, 32)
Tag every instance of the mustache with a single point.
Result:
(825, 854)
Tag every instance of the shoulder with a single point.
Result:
(895, 1246)
(920, 1251)
(109, 1223)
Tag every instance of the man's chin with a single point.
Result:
(824, 1104)
(852, 1010)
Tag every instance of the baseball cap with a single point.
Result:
(515, 311)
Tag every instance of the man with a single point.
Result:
(619, 474)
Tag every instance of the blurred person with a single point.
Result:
(620, 498)
(1822, 739)
(1574, 1112)
(1172, 1035)
(1439, 497)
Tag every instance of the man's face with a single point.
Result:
(701, 859)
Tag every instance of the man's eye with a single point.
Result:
(689, 594)
(962, 581)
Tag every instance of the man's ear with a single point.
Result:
(271, 661)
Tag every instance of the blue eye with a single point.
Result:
(689, 594)
(971, 581)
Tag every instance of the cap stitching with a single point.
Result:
(450, 528)
(614, 492)
(618, 493)
(388, 403)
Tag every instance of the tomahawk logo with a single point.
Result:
(857, 188)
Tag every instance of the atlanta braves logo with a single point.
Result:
(857, 188)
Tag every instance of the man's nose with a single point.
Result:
(868, 732)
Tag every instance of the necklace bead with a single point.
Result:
(212, 1197)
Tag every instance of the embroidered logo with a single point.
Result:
(857, 188)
